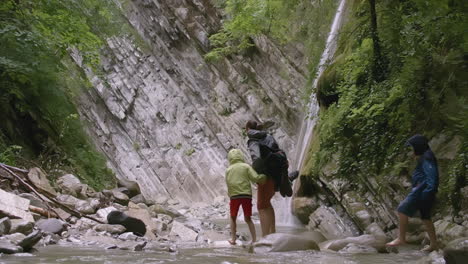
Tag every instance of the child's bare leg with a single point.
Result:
(251, 225)
(233, 230)
(401, 239)
(432, 235)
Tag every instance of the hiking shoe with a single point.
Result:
(293, 175)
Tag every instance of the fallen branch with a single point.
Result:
(48, 195)
(43, 212)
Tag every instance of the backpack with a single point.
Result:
(276, 163)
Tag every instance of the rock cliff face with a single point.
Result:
(166, 118)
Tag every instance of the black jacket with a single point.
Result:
(261, 145)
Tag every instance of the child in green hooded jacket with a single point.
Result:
(239, 176)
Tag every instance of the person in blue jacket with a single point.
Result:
(425, 182)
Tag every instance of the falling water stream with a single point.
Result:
(310, 118)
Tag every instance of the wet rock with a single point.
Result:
(160, 226)
(365, 240)
(329, 223)
(51, 225)
(132, 186)
(5, 226)
(112, 229)
(131, 224)
(21, 226)
(85, 224)
(161, 199)
(303, 207)
(435, 257)
(456, 251)
(31, 240)
(138, 199)
(375, 230)
(184, 233)
(9, 248)
(70, 184)
(39, 179)
(356, 248)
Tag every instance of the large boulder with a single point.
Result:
(329, 223)
(103, 212)
(131, 224)
(456, 252)
(144, 215)
(303, 207)
(158, 209)
(51, 225)
(5, 226)
(120, 197)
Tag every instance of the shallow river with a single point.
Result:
(226, 255)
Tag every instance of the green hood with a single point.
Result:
(235, 156)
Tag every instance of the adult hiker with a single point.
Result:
(425, 182)
(268, 159)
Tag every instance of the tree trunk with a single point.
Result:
(378, 61)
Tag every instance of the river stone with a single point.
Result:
(375, 230)
(128, 236)
(5, 226)
(120, 197)
(158, 209)
(456, 251)
(21, 226)
(289, 242)
(329, 223)
(15, 238)
(103, 212)
(131, 224)
(28, 242)
(9, 248)
(448, 231)
(69, 184)
(68, 200)
(183, 232)
(84, 207)
(303, 207)
(34, 200)
(356, 248)
(137, 199)
(113, 229)
(366, 240)
(51, 225)
(39, 179)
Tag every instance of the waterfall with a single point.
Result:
(284, 205)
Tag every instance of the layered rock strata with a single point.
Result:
(165, 118)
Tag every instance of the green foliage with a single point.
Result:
(189, 152)
(38, 82)
(424, 91)
(283, 21)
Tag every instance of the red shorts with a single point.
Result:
(246, 203)
(266, 191)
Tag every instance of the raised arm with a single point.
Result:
(255, 177)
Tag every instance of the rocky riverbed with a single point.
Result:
(175, 232)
